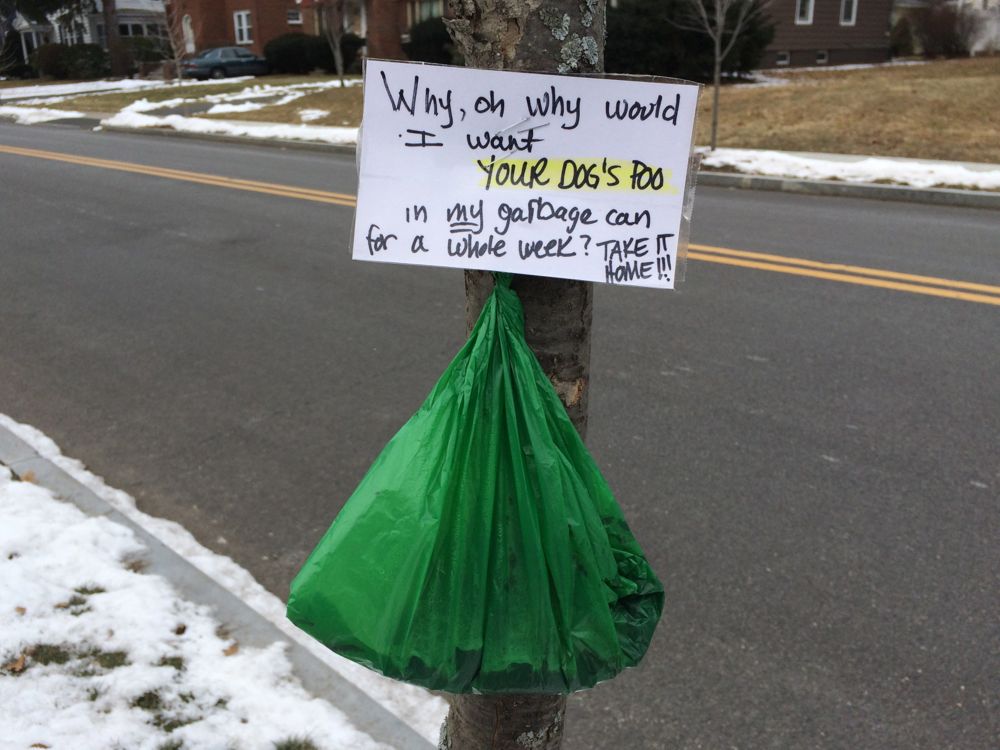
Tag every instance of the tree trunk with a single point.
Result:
(117, 54)
(556, 36)
(716, 83)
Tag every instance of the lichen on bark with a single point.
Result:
(558, 23)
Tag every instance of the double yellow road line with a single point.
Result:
(253, 186)
(967, 291)
(902, 282)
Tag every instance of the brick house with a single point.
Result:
(247, 23)
(828, 32)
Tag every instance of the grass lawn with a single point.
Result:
(113, 102)
(947, 109)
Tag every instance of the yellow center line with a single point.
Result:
(847, 278)
(874, 277)
(320, 196)
(840, 268)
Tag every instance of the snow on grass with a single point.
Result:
(66, 90)
(917, 173)
(34, 115)
(96, 654)
(413, 705)
(135, 118)
(308, 115)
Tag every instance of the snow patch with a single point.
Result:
(33, 115)
(96, 655)
(421, 710)
(921, 174)
(130, 118)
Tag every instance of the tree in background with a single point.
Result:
(643, 41)
(331, 15)
(118, 54)
(724, 23)
(181, 35)
(8, 12)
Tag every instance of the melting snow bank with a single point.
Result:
(133, 117)
(59, 555)
(33, 115)
(102, 87)
(97, 654)
(921, 174)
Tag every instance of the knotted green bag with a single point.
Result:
(483, 551)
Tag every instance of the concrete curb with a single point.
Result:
(935, 196)
(246, 624)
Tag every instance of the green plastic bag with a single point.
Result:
(483, 551)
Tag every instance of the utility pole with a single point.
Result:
(556, 36)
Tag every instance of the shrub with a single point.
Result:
(146, 49)
(901, 38)
(50, 60)
(63, 61)
(298, 53)
(430, 42)
(945, 30)
(350, 46)
(642, 40)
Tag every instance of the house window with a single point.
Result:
(295, 18)
(804, 12)
(783, 58)
(822, 57)
(244, 32)
(848, 12)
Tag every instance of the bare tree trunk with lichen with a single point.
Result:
(554, 36)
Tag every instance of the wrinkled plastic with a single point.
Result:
(483, 551)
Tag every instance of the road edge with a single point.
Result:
(872, 191)
(242, 621)
(868, 190)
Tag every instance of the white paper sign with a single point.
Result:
(576, 178)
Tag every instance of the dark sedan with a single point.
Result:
(222, 62)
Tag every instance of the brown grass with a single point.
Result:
(941, 110)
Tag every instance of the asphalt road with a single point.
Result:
(813, 467)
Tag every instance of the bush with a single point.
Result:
(50, 60)
(901, 39)
(146, 49)
(431, 43)
(293, 53)
(63, 61)
(642, 40)
(945, 30)
(350, 46)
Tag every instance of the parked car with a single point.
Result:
(221, 62)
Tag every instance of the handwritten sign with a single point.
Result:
(577, 178)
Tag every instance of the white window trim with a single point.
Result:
(854, 13)
(246, 31)
(808, 21)
(297, 21)
(787, 58)
(825, 55)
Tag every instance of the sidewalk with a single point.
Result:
(119, 629)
